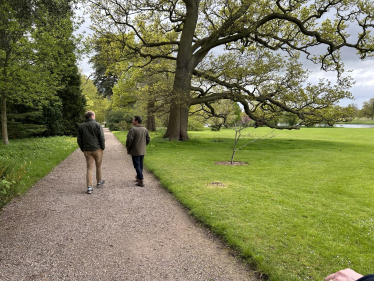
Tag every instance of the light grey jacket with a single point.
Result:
(137, 140)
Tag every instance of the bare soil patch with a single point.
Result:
(228, 163)
(216, 184)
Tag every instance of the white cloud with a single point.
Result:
(362, 71)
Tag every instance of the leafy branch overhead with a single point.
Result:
(259, 45)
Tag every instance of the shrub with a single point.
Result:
(118, 120)
(123, 126)
(289, 119)
(8, 181)
(215, 127)
(194, 125)
(17, 130)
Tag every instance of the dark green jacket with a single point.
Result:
(90, 136)
(137, 140)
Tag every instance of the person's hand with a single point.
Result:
(344, 275)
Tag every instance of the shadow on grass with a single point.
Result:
(268, 145)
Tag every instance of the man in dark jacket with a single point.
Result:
(136, 142)
(92, 143)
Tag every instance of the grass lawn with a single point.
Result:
(301, 209)
(25, 161)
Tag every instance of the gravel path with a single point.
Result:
(119, 232)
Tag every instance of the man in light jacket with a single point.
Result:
(92, 143)
(136, 142)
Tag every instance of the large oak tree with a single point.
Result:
(251, 35)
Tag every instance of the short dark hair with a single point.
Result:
(89, 114)
(138, 118)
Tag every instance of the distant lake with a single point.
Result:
(365, 126)
(354, 126)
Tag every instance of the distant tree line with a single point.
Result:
(366, 111)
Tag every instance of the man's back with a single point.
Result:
(90, 136)
(137, 140)
(91, 141)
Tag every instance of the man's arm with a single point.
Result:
(102, 138)
(148, 138)
(79, 138)
(129, 140)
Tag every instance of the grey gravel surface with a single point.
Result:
(119, 232)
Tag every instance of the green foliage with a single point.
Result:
(38, 70)
(195, 125)
(18, 130)
(133, 84)
(251, 70)
(57, 115)
(289, 119)
(8, 179)
(222, 113)
(367, 109)
(104, 77)
(116, 117)
(52, 113)
(72, 100)
(216, 127)
(123, 126)
(300, 210)
(364, 121)
(5, 186)
(23, 125)
(95, 102)
(26, 161)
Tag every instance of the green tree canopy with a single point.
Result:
(367, 109)
(95, 101)
(104, 59)
(251, 34)
(37, 60)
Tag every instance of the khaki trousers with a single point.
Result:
(96, 155)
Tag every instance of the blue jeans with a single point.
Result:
(138, 165)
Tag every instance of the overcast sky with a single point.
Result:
(362, 71)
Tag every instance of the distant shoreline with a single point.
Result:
(359, 122)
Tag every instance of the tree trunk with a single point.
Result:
(178, 117)
(151, 123)
(151, 120)
(180, 102)
(4, 123)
